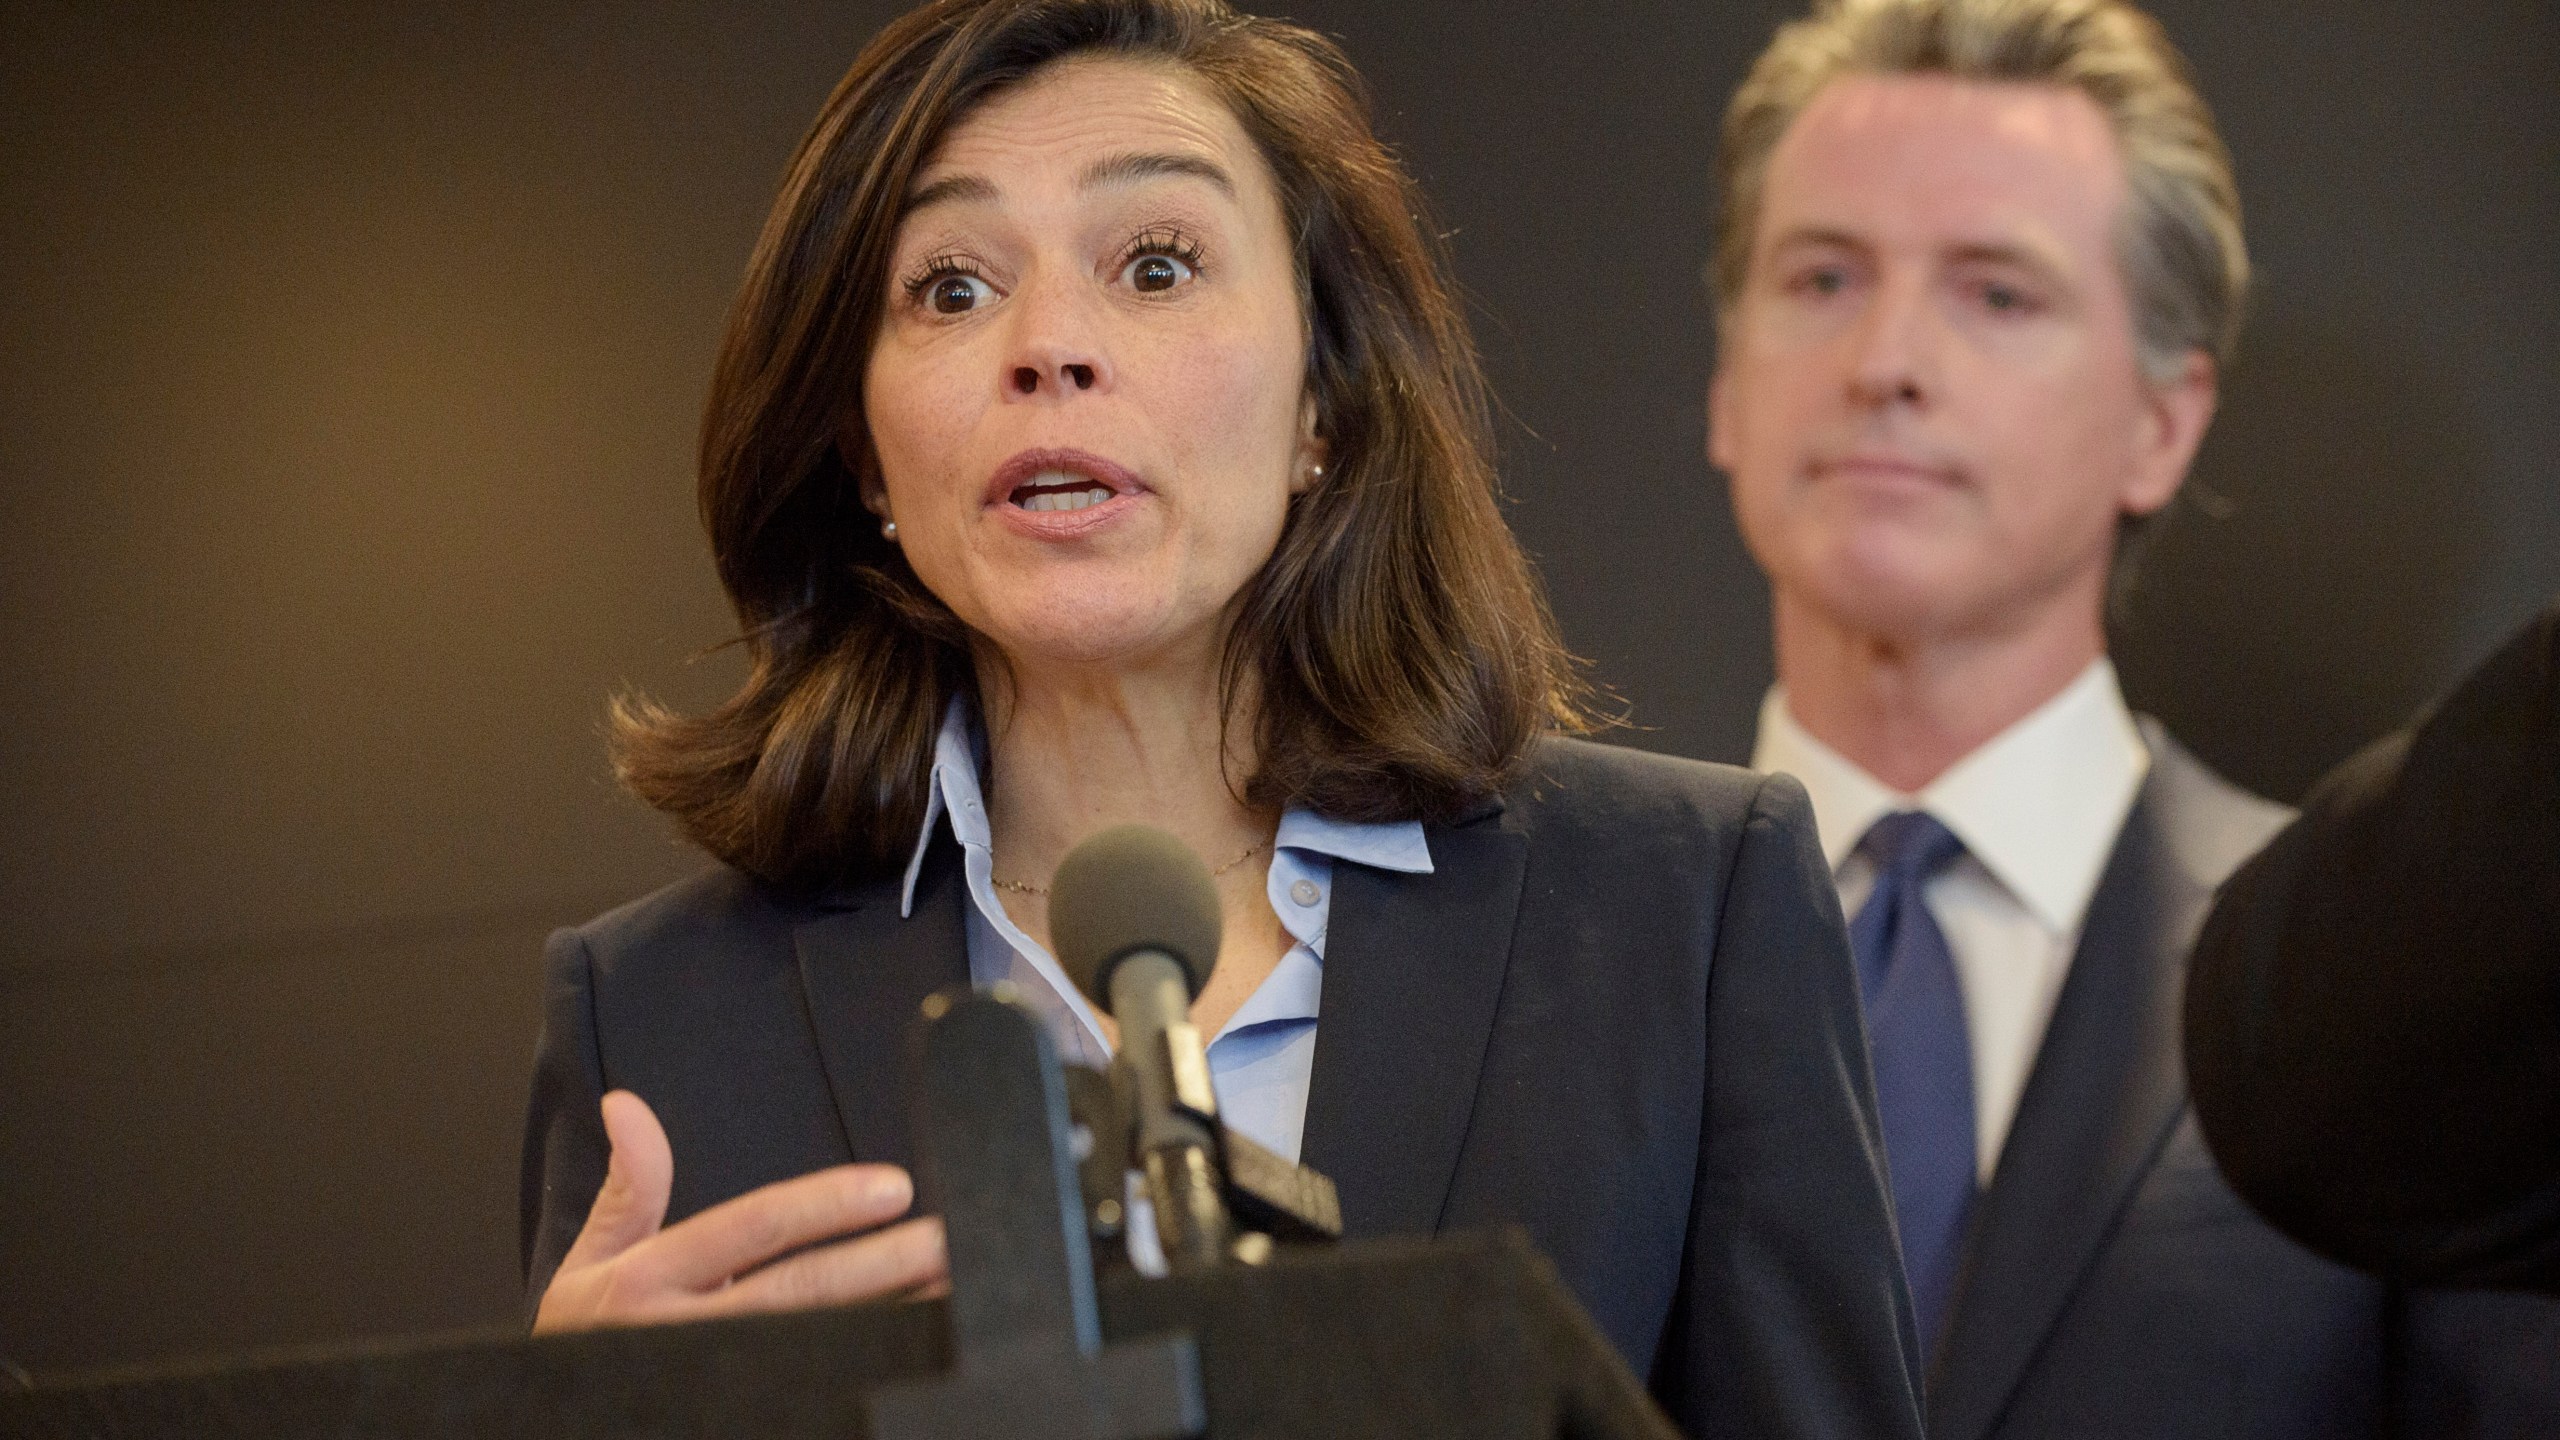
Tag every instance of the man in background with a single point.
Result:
(1979, 267)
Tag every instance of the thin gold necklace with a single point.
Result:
(1256, 848)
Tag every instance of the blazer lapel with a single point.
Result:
(2103, 1097)
(865, 971)
(1413, 968)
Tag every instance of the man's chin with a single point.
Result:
(1894, 603)
(1886, 572)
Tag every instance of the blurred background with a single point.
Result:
(349, 363)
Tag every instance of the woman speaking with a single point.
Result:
(1095, 440)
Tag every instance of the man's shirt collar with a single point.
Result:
(2039, 804)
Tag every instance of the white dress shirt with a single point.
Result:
(2038, 808)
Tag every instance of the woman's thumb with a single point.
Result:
(633, 1201)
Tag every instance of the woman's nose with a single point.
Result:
(1070, 374)
(1057, 348)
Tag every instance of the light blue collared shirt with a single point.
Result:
(1261, 1060)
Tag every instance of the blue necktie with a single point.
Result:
(1922, 1054)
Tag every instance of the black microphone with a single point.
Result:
(1135, 919)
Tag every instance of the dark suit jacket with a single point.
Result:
(2374, 1020)
(2115, 1286)
(1620, 1013)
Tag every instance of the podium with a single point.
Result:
(1472, 1336)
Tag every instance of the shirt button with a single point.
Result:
(1305, 892)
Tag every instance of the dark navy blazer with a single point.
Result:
(1619, 1013)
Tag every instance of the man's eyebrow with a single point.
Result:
(1818, 235)
(1964, 252)
(949, 190)
(1147, 165)
(2003, 252)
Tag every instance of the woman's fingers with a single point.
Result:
(625, 1269)
(731, 1238)
(901, 1258)
(638, 1177)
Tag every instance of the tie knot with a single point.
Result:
(1908, 846)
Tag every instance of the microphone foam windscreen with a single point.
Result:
(1133, 887)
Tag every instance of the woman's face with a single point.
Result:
(1088, 395)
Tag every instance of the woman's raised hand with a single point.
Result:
(625, 1270)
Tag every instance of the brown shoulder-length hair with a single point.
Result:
(1398, 652)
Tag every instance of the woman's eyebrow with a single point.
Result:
(1110, 170)
(949, 190)
(1147, 165)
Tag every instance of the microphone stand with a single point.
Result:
(998, 1159)
(1164, 1068)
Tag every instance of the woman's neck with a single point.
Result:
(1074, 752)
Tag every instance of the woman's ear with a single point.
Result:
(854, 453)
(1314, 451)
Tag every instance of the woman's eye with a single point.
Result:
(1152, 273)
(956, 294)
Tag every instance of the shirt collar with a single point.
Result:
(2039, 804)
(1383, 845)
(955, 791)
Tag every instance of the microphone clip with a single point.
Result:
(1268, 1199)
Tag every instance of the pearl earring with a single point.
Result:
(889, 531)
(1315, 470)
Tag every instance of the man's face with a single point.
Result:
(1927, 397)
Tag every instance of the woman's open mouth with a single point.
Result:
(1060, 490)
(1058, 494)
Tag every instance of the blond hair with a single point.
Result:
(2185, 264)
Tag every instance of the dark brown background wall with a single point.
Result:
(349, 359)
